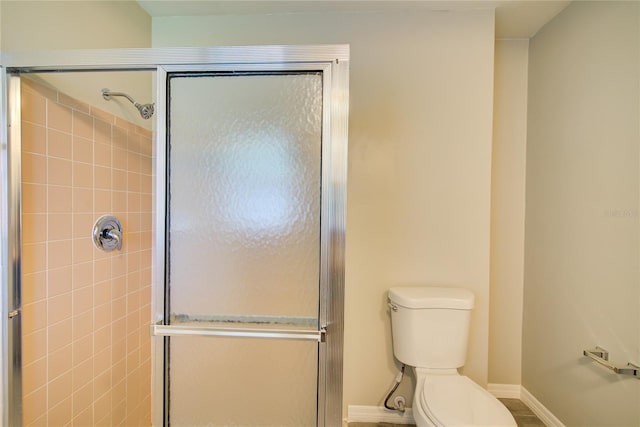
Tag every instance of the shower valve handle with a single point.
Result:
(107, 233)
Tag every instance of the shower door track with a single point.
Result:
(333, 59)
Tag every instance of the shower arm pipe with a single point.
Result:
(146, 110)
(107, 94)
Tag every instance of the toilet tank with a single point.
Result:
(430, 325)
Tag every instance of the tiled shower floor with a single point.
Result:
(523, 415)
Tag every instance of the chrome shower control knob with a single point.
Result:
(107, 233)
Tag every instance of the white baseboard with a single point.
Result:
(373, 414)
(509, 391)
(540, 410)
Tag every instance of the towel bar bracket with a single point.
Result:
(601, 356)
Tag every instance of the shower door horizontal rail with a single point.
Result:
(216, 331)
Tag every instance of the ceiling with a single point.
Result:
(514, 18)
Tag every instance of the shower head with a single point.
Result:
(146, 110)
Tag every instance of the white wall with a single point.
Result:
(507, 211)
(582, 224)
(44, 25)
(419, 162)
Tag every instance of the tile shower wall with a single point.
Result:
(86, 345)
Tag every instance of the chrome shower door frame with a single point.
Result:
(332, 60)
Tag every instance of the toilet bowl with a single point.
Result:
(455, 400)
(430, 329)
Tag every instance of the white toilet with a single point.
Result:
(430, 329)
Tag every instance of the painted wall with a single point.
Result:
(419, 162)
(582, 230)
(40, 25)
(507, 211)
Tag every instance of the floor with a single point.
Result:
(522, 414)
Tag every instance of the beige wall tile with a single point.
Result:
(82, 203)
(59, 335)
(84, 418)
(34, 257)
(82, 275)
(60, 199)
(118, 308)
(103, 115)
(73, 103)
(34, 287)
(34, 108)
(102, 314)
(102, 358)
(34, 346)
(34, 168)
(82, 375)
(102, 201)
(59, 226)
(82, 299)
(34, 228)
(119, 353)
(102, 177)
(118, 414)
(34, 375)
(133, 181)
(119, 138)
(82, 250)
(77, 297)
(59, 308)
(60, 415)
(59, 144)
(83, 349)
(101, 292)
(82, 324)
(34, 198)
(58, 117)
(59, 172)
(83, 399)
(102, 410)
(119, 180)
(102, 131)
(82, 150)
(34, 405)
(59, 281)
(59, 362)
(33, 138)
(102, 154)
(34, 316)
(146, 184)
(82, 125)
(83, 175)
(58, 253)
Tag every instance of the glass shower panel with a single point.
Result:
(223, 383)
(245, 172)
(244, 162)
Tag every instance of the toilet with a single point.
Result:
(430, 328)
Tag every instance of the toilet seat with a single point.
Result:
(455, 400)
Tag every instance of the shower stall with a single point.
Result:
(221, 203)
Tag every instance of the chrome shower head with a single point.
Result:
(146, 110)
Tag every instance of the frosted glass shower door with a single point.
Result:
(244, 247)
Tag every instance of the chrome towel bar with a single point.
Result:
(213, 331)
(601, 356)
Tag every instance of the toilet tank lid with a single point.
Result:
(431, 297)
